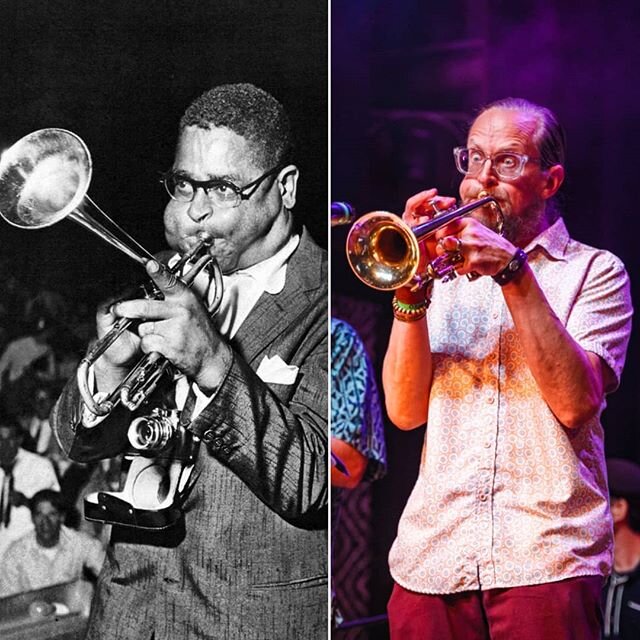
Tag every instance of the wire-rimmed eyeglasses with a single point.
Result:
(508, 165)
(221, 193)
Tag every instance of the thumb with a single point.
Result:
(166, 280)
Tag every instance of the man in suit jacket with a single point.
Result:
(248, 559)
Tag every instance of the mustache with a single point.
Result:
(483, 193)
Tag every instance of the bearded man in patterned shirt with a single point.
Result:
(507, 533)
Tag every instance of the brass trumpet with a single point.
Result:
(383, 251)
(44, 178)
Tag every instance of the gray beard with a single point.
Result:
(521, 230)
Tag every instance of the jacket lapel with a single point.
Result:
(274, 314)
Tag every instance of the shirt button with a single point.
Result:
(208, 436)
(488, 444)
(483, 497)
(491, 400)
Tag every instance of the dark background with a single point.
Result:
(119, 73)
(406, 79)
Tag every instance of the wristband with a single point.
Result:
(513, 267)
(408, 312)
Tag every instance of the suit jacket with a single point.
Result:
(251, 558)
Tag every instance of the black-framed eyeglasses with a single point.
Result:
(221, 193)
(508, 165)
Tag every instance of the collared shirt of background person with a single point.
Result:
(357, 428)
(51, 553)
(621, 593)
(22, 355)
(38, 435)
(253, 562)
(22, 474)
(507, 532)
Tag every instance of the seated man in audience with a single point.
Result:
(38, 436)
(51, 553)
(22, 474)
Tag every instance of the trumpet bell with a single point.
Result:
(382, 251)
(43, 178)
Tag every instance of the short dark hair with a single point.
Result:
(549, 138)
(9, 420)
(250, 112)
(633, 513)
(623, 478)
(48, 495)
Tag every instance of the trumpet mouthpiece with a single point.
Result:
(205, 238)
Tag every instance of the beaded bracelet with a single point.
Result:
(408, 312)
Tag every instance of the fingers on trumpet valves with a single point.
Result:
(146, 328)
(450, 256)
(425, 206)
(450, 244)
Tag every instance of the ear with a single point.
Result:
(553, 181)
(288, 185)
(619, 509)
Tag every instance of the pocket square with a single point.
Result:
(276, 370)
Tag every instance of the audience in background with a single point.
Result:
(39, 436)
(40, 344)
(22, 474)
(28, 357)
(51, 553)
(621, 594)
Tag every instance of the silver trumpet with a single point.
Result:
(384, 253)
(44, 178)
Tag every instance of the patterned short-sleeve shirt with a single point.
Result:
(356, 417)
(506, 495)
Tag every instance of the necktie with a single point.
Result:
(5, 498)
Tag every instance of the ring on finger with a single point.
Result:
(447, 240)
(458, 242)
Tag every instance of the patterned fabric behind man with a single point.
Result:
(356, 419)
(355, 408)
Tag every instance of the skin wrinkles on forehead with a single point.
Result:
(496, 136)
(200, 143)
(227, 177)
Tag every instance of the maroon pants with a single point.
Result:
(565, 610)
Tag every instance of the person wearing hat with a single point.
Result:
(621, 594)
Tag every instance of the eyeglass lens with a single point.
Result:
(506, 165)
(183, 189)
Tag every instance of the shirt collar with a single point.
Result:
(270, 273)
(553, 240)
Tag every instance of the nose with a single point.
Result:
(200, 207)
(487, 176)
